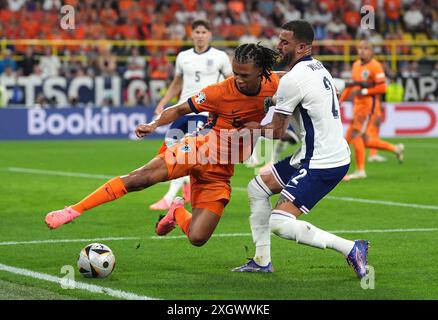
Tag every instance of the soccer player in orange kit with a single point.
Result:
(231, 103)
(367, 84)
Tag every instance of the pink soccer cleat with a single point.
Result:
(186, 191)
(167, 223)
(163, 204)
(57, 218)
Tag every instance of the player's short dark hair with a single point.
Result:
(201, 22)
(262, 57)
(303, 30)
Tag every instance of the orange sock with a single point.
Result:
(111, 190)
(373, 152)
(380, 144)
(359, 151)
(183, 219)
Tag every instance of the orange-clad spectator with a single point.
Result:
(238, 30)
(108, 13)
(49, 20)
(31, 27)
(159, 66)
(73, 3)
(79, 32)
(129, 31)
(18, 33)
(94, 30)
(125, 5)
(351, 19)
(190, 5)
(148, 4)
(372, 3)
(392, 12)
(255, 29)
(236, 6)
(159, 28)
(148, 16)
(110, 29)
(6, 15)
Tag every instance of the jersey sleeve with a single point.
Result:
(178, 66)
(226, 68)
(207, 99)
(379, 80)
(288, 96)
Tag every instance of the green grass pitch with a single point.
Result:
(403, 237)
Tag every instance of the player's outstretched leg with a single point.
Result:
(153, 172)
(286, 226)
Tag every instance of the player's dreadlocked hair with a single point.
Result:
(263, 57)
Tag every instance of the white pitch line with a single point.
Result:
(219, 235)
(12, 243)
(59, 173)
(240, 189)
(386, 203)
(383, 202)
(78, 285)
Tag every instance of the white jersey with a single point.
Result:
(199, 70)
(307, 93)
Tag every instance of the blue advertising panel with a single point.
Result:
(74, 123)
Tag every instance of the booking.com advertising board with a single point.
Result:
(73, 123)
(399, 120)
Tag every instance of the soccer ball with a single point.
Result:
(96, 261)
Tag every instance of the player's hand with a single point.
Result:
(144, 129)
(355, 92)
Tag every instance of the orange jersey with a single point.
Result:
(373, 77)
(231, 109)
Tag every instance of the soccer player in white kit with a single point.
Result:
(306, 97)
(195, 69)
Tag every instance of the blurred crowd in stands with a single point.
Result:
(236, 20)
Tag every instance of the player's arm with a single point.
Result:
(167, 116)
(275, 129)
(173, 90)
(345, 94)
(378, 88)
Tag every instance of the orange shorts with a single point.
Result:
(367, 118)
(210, 183)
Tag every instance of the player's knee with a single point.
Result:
(198, 240)
(255, 191)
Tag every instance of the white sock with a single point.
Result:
(286, 226)
(175, 185)
(258, 194)
(186, 179)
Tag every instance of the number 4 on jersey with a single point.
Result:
(329, 86)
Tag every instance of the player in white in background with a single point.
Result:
(306, 97)
(195, 69)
